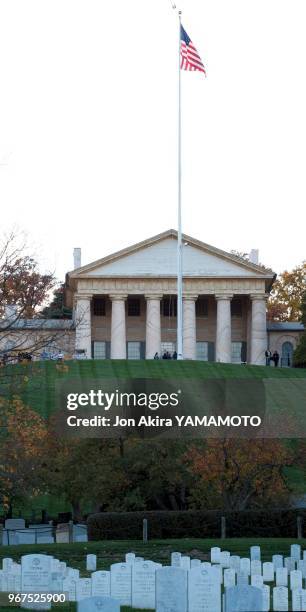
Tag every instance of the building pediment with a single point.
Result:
(157, 256)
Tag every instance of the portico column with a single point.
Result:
(258, 329)
(153, 332)
(224, 330)
(118, 328)
(189, 327)
(82, 321)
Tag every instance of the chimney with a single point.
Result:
(76, 258)
(254, 256)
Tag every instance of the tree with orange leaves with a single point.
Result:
(23, 436)
(239, 474)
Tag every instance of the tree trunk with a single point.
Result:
(76, 510)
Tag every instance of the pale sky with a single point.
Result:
(88, 125)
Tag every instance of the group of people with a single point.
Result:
(272, 357)
(166, 355)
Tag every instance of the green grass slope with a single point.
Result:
(36, 382)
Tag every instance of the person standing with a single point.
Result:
(275, 358)
(268, 355)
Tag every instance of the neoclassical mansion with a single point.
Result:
(125, 306)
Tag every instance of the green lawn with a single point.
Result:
(109, 551)
(35, 382)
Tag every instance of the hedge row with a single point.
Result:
(195, 524)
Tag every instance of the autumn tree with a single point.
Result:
(239, 474)
(24, 290)
(23, 436)
(286, 296)
(88, 473)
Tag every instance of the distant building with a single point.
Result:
(124, 307)
(125, 304)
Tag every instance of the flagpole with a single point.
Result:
(179, 213)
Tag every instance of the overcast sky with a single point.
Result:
(88, 125)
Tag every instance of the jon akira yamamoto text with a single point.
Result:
(175, 421)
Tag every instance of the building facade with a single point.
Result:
(124, 307)
(125, 304)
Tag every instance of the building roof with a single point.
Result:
(285, 326)
(210, 259)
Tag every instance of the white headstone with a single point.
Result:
(83, 588)
(281, 576)
(176, 559)
(35, 573)
(296, 600)
(295, 552)
(36, 578)
(130, 557)
(171, 589)
(301, 565)
(143, 584)
(289, 563)
(277, 561)
(243, 599)
(215, 554)
(7, 564)
(268, 571)
(280, 599)
(204, 590)
(100, 584)
(218, 571)
(69, 588)
(185, 563)
(245, 566)
(229, 578)
(256, 569)
(235, 563)
(121, 583)
(225, 558)
(257, 581)
(195, 563)
(266, 597)
(91, 563)
(255, 553)
(296, 579)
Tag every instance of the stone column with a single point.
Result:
(82, 320)
(189, 327)
(259, 341)
(118, 327)
(153, 331)
(224, 330)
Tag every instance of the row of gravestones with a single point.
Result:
(187, 585)
(15, 533)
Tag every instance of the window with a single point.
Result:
(236, 352)
(99, 307)
(169, 307)
(99, 350)
(133, 351)
(202, 351)
(236, 308)
(134, 307)
(287, 354)
(202, 307)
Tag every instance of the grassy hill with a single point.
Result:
(36, 382)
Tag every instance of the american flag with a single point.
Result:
(190, 59)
